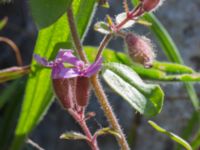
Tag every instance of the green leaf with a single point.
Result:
(10, 101)
(3, 22)
(145, 98)
(47, 12)
(172, 68)
(173, 136)
(73, 136)
(105, 131)
(38, 94)
(196, 141)
(161, 71)
(103, 3)
(8, 93)
(102, 27)
(13, 73)
(192, 124)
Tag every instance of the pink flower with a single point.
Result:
(66, 65)
(70, 78)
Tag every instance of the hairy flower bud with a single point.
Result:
(82, 91)
(140, 49)
(151, 5)
(63, 89)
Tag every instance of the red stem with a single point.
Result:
(14, 48)
(119, 26)
(81, 121)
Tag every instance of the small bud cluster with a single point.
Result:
(140, 49)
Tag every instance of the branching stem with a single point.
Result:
(95, 82)
(81, 121)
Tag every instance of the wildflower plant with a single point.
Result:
(75, 71)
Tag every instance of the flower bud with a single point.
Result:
(151, 5)
(140, 49)
(63, 89)
(82, 91)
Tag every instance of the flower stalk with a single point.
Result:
(96, 84)
(14, 48)
(103, 44)
(80, 118)
(75, 36)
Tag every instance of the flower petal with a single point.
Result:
(94, 68)
(69, 73)
(42, 61)
(60, 72)
(67, 56)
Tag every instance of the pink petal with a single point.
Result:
(59, 72)
(94, 68)
(42, 61)
(67, 56)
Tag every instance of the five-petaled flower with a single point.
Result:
(66, 65)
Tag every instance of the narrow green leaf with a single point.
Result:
(8, 93)
(3, 22)
(73, 136)
(196, 142)
(47, 12)
(161, 71)
(105, 131)
(13, 73)
(38, 94)
(10, 100)
(183, 77)
(145, 98)
(102, 27)
(172, 67)
(192, 124)
(174, 137)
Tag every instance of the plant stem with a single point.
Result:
(103, 44)
(14, 48)
(81, 121)
(96, 84)
(109, 112)
(74, 32)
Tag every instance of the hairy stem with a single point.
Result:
(81, 121)
(96, 84)
(109, 112)
(74, 32)
(103, 44)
